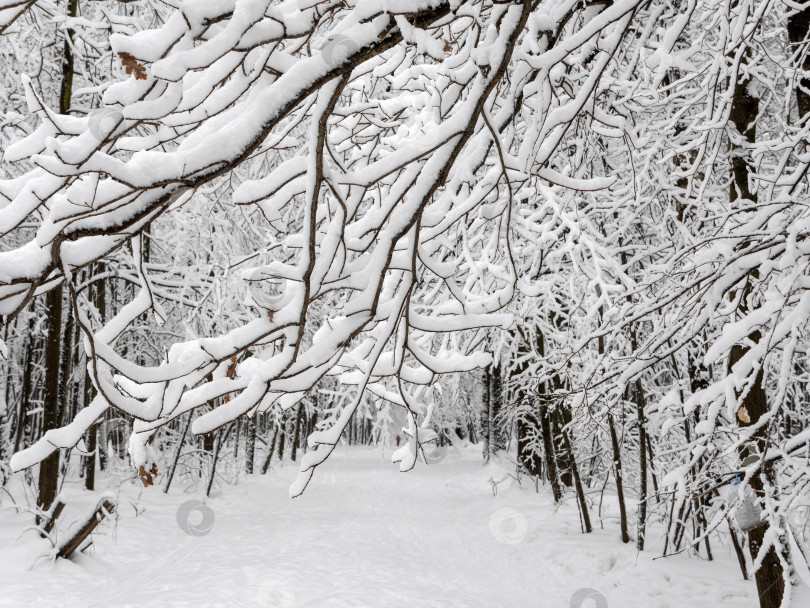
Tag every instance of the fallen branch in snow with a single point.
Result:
(495, 484)
(104, 508)
(55, 513)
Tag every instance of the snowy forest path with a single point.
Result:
(365, 536)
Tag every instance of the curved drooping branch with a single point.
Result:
(392, 161)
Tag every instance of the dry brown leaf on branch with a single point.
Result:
(231, 371)
(147, 477)
(132, 65)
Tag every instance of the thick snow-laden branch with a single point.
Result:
(397, 167)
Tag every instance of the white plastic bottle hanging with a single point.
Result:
(748, 513)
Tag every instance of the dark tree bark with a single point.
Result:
(282, 433)
(65, 370)
(208, 442)
(497, 440)
(223, 438)
(177, 455)
(54, 514)
(544, 405)
(238, 438)
(798, 27)
(617, 470)
(528, 428)
(614, 442)
(49, 467)
(559, 418)
(66, 92)
(737, 550)
(100, 302)
(75, 541)
(272, 448)
(651, 469)
(25, 397)
(583, 505)
(296, 432)
(312, 422)
(250, 444)
(642, 458)
(769, 577)
(550, 455)
(7, 382)
(89, 461)
(486, 415)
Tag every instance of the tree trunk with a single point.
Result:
(744, 110)
(583, 505)
(769, 577)
(486, 416)
(177, 455)
(270, 451)
(223, 438)
(496, 436)
(238, 438)
(49, 467)
(544, 403)
(550, 455)
(296, 432)
(798, 27)
(617, 469)
(312, 422)
(25, 397)
(642, 459)
(559, 418)
(737, 550)
(100, 302)
(282, 433)
(65, 370)
(208, 443)
(528, 427)
(250, 444)
(89, 461)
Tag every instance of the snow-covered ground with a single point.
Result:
(363, 535)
